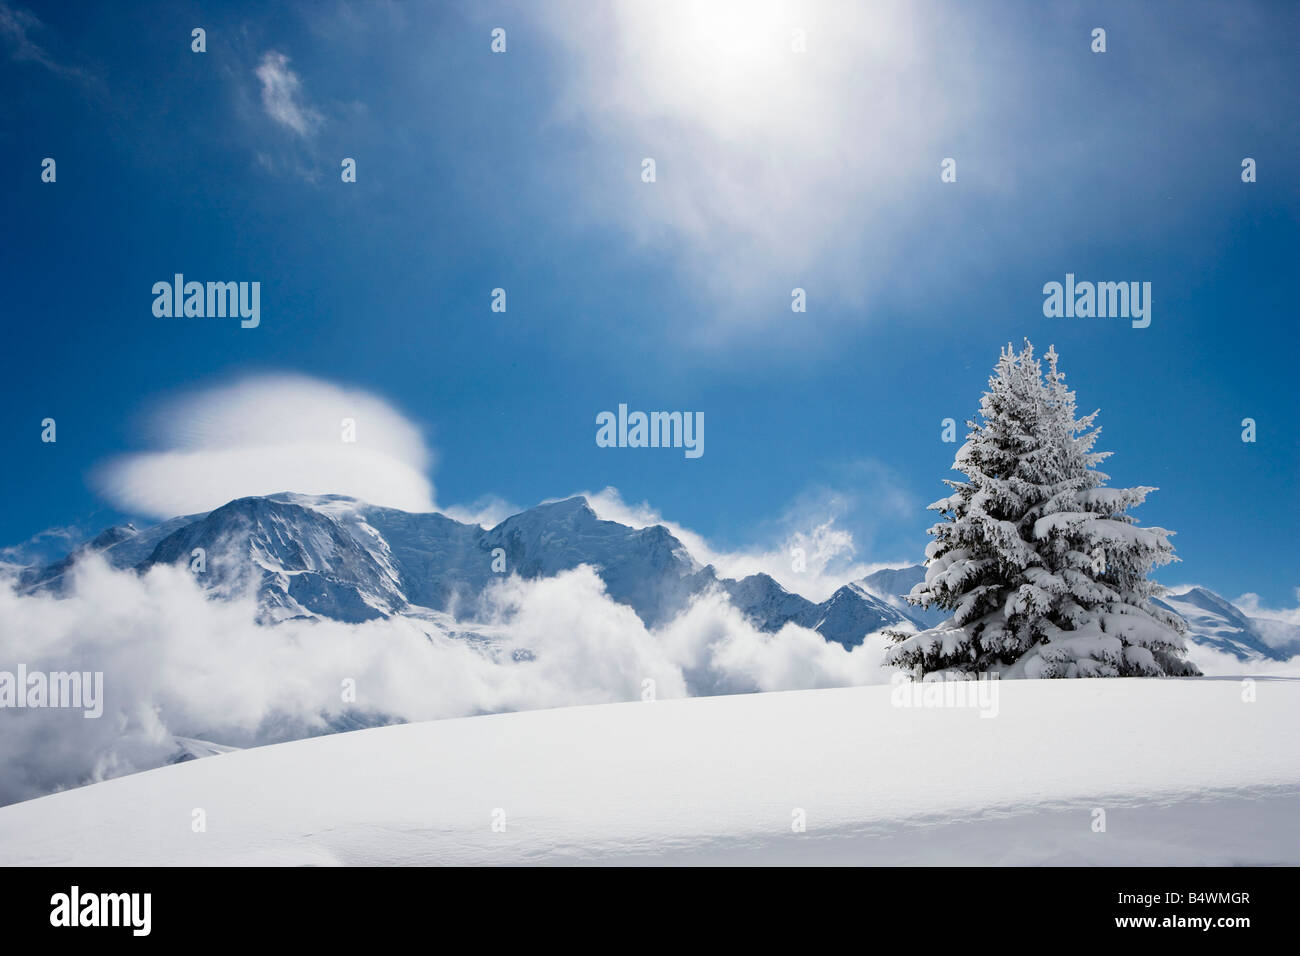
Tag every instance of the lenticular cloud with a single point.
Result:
(269, 433)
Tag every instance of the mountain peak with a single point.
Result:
(1207, 600)
(573, 512)
(111, 536)
(566, 505)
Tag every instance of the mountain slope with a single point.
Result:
(852, 612)
(335, 557)
(122, 546)
(297, 560)
(892, 585)
(646, 568)
(1218, 623)
(722, 779)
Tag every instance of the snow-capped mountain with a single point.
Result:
(1220, 624)
(892, 585)
(339, 558)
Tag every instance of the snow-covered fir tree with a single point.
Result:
(1045, 573)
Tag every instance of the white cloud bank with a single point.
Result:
(176, 663)
(1278, 627)
(1252, 605)
(270, 433)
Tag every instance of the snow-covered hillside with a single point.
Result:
(1185, 772)
(276, 618)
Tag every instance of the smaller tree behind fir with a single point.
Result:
(1045, 573)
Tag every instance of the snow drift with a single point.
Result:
(1123, 771)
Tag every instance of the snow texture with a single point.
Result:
(1210, 780)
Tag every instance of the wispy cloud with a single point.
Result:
(282, 95)
(43, 547)
(798, 143)
(785, 135)
(16, 27)
(1252, 605)
(487, 511)
(1279, 627)
(809, 549)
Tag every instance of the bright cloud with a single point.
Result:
(271, 433)
(827, 551)
(1278, 627)
(1252, 605)
(1216, 663)
(282, 96)
(486, 512)
(176, 663)
(786, 136)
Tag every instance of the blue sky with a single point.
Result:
(522, 170)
